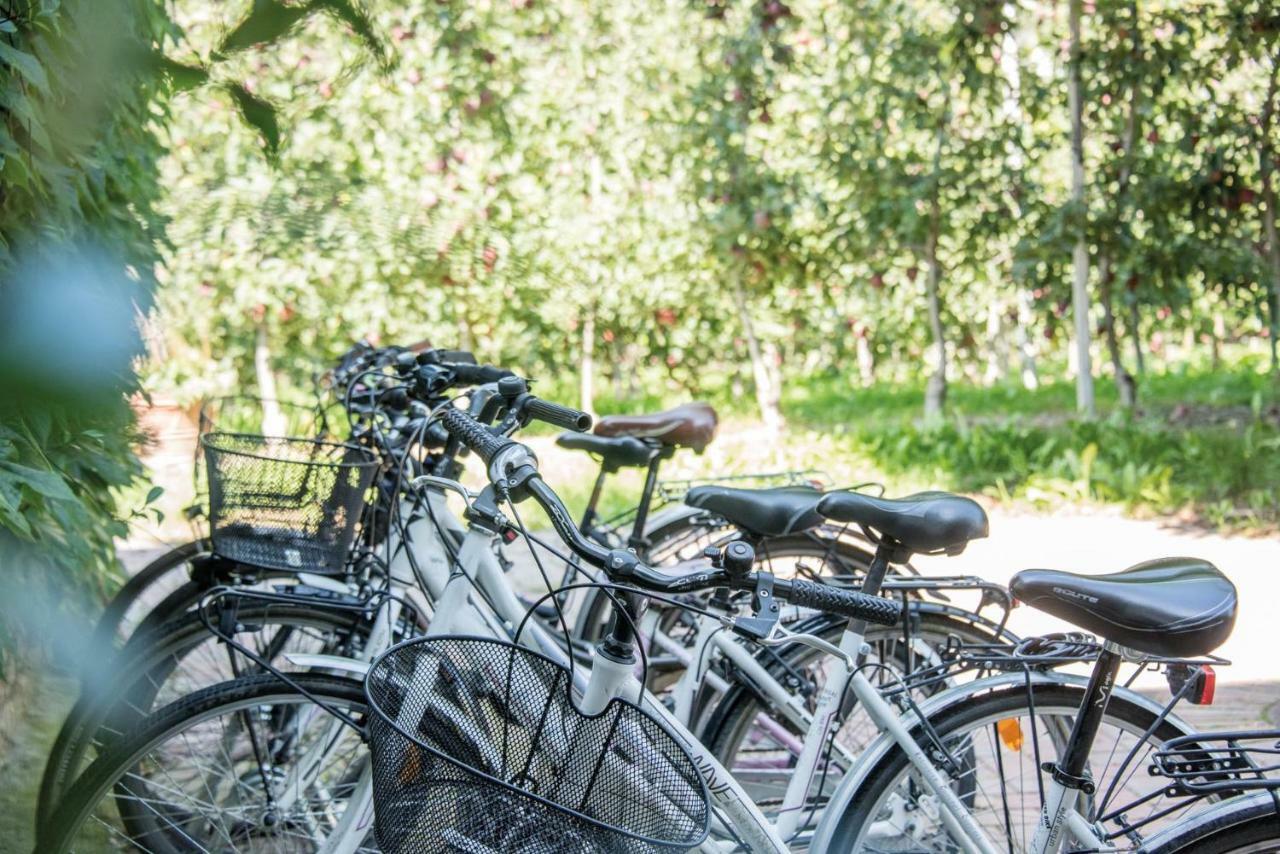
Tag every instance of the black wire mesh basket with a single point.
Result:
(477, 746)
(249, 415)
(287, 504)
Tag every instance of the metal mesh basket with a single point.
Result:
(247, 414)
(288, 504)
(477, 747)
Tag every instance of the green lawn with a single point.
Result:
(1202, 443)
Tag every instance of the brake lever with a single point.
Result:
(780, 636)
(444, 483)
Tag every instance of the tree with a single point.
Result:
(1080, 253)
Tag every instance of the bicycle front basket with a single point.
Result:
(477, 747)
(288, 504)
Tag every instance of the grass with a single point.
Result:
(32, 717)
(1203, 444)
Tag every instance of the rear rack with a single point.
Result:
(675, 490)
(1045, 652)
(1213, 762)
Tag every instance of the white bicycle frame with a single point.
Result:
(476, 569)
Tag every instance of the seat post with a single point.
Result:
(886, 552)
(589, 514)
(873, 580)
(638, 540)
(1070, 770)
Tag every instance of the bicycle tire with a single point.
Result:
(1247, 824)
(100, 781)
(1057, 699)
(151, 658)
(109, 625)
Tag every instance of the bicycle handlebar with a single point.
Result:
(473, 435)
(556, 415)
(623, 566)
(853, 604)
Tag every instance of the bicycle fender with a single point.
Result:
(328, 662)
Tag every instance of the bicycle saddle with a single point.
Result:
(690, 425)
(1175, 606)
(765, 512)
(921, 523)
(622, 452)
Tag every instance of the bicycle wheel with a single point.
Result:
(1249, 824)
(998, 747)
(181, 657)
(145, 590)
(250, 765)
(760, 744)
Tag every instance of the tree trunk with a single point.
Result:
(1126, 385)
(935, 392)
(588, 366)
(1080, 256)
(997, 352)
(1135, 333)
(1026, 351)
(1266, 170)
(1012, 108)
(633, 370)
(272, 419)
(465, 340)
(866, 359)
(1215, 339)
(1273, 256)
(767, 396)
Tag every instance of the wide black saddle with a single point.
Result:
(764, 512)
(614, 453)
(1177, 606)
(924, 523)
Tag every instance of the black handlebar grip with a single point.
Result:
(563, 417)
(472, 434)
(847, 603)
(477, 374)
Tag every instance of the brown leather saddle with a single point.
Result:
(690, 425)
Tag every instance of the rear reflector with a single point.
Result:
(1203, 693)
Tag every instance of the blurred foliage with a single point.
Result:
(1205, 447)
(78, 159)
(83, 98)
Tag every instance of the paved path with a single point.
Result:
(1249, 690)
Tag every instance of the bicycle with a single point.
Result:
(513, 469)
(173, 640)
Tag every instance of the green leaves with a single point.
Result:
(25, 65)
(182, 77)
(259, 114)
(267, 21)
(47, 483)
(270, 20)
